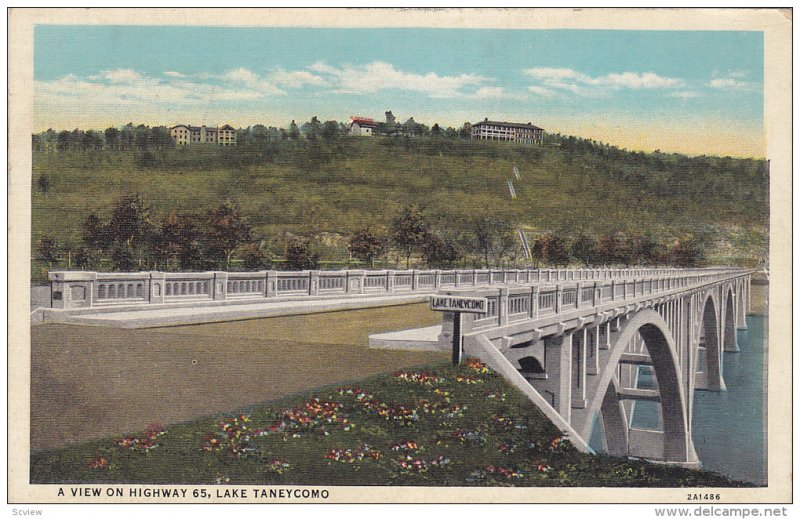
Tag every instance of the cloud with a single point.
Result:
(566, 80)
(733, 80)
(123, 87)
(296, 78)
(493, 92)
(684, 94)
(378, 75)
(122, 75)
(731, 84)
(172, 73)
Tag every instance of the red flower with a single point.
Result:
(98, 463)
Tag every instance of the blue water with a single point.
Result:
(728, 427)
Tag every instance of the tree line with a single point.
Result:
(132, 238)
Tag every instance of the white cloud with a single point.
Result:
(733, 80)
(553, 73)
(684, 94)
(378, 75)
(553, 80)
(636, 80)
(242, 75)
(172, 73)
(127, 87)
(295, 78)
(493, 92)
(731, 84)
(122, 75)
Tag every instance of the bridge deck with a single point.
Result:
(146, 317)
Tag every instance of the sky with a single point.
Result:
(694, 92)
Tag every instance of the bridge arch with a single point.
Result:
(660, 346)
(729, 340)
(710, 377)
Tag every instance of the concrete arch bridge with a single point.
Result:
(587, 353)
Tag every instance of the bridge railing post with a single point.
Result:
(502, 306)
(558, 299)
(534, 306)
(271, 283)
(578, 294)
(390, 281)
(595, 294)
(313, 282)
(613, 289)
(155, 290)
(220, 285)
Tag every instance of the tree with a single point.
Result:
(366, 245)
(294, 132)
(331, 131)
(64, 141)
(612, 248)
(555, 249)
(83, 258)
(43, 184)
(537, 252)
(128, 229)
(225, 230)
(645, 250)
(584, 249)
(441, 252)
(178, 239)
(686, 252)
(299, 257)
(253, 257)
(112, 138)
(494, 236)
(95, 235)
(47, 250)
(311, 129)
(409, 231)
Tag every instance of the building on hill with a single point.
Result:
(222, 135)
(505, 131)
(363, 126)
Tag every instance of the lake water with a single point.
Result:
(728, 427)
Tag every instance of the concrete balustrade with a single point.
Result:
(82, 289)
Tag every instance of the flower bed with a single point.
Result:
(452, 426)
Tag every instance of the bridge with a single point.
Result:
(587, 351)
(144, 299)
(584, 345)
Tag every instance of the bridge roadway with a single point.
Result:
(586, 352)
(149, 299)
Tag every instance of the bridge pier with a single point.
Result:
(558, 366)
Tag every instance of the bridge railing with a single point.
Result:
(510, 303)
(80, 289)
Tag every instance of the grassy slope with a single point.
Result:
(468, 427)
(369, 182)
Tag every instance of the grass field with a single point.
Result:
(443, 426)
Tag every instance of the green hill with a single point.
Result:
(567, 185)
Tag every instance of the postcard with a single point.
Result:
(400, 256)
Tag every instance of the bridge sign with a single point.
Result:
(457, 304)
(473, 305)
